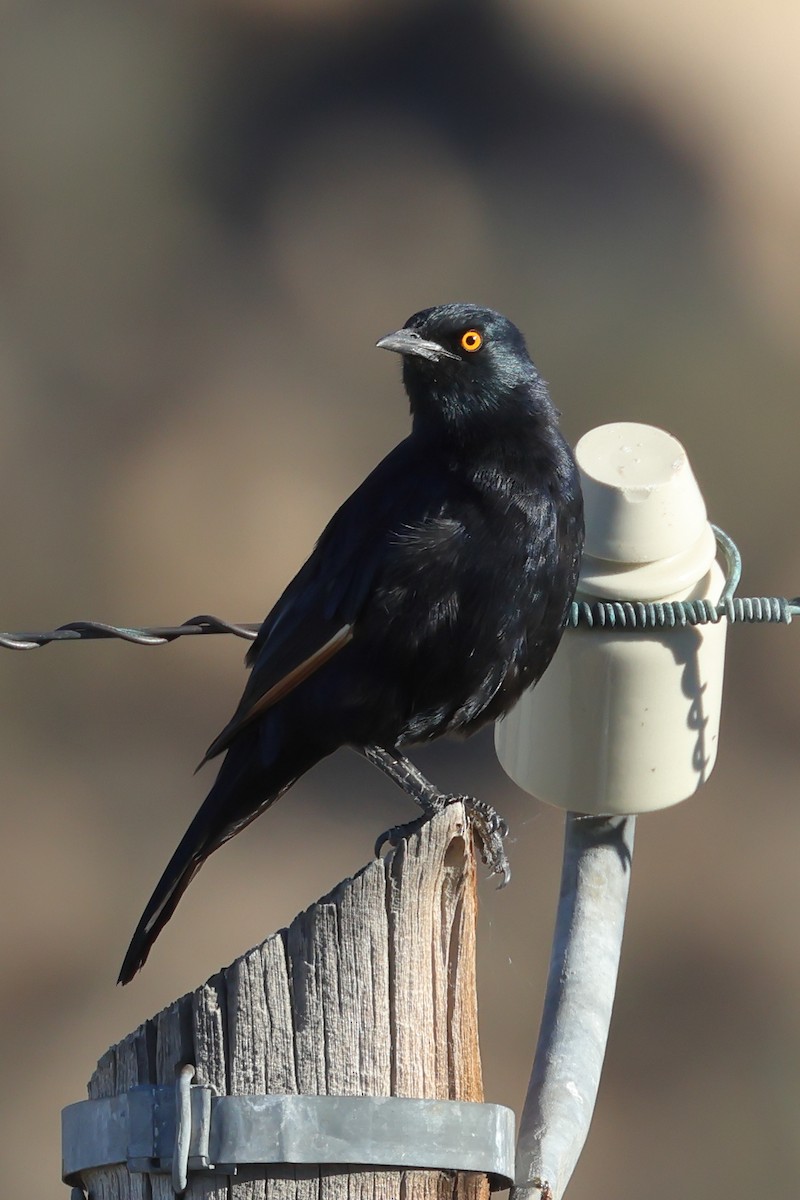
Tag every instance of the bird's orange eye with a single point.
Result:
(471, 341)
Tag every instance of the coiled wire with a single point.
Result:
(618, 614)
(677, 614)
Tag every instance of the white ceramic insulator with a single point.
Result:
(623, 721)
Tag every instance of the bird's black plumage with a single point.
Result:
(436, 594)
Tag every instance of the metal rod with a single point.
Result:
(581, 983)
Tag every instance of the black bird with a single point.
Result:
(436, 594)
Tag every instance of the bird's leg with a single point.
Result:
(489, 827)
(402, 771)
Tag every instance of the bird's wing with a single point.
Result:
(317, 615)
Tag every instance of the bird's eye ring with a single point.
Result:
(471, 341)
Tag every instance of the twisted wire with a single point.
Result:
(160, 635)
(612, 614)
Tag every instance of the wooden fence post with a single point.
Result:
(370, 992)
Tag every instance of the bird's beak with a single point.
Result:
(408, 341)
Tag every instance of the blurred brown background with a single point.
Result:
(208, 214)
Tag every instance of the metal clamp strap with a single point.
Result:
(142, 1128)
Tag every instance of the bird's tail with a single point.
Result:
(237, 798)
(181, 870)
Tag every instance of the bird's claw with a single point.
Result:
(487, 824)
(394, 836)
(490, 829)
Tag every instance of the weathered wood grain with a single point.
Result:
(371, 991)
(208, 1038)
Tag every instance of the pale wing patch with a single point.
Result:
(300, 673)
(283, 687)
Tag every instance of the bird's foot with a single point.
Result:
(489, 829)
(488, 826)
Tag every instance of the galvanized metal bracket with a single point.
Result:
(183, 1129)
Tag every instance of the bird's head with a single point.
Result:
(467, 369)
